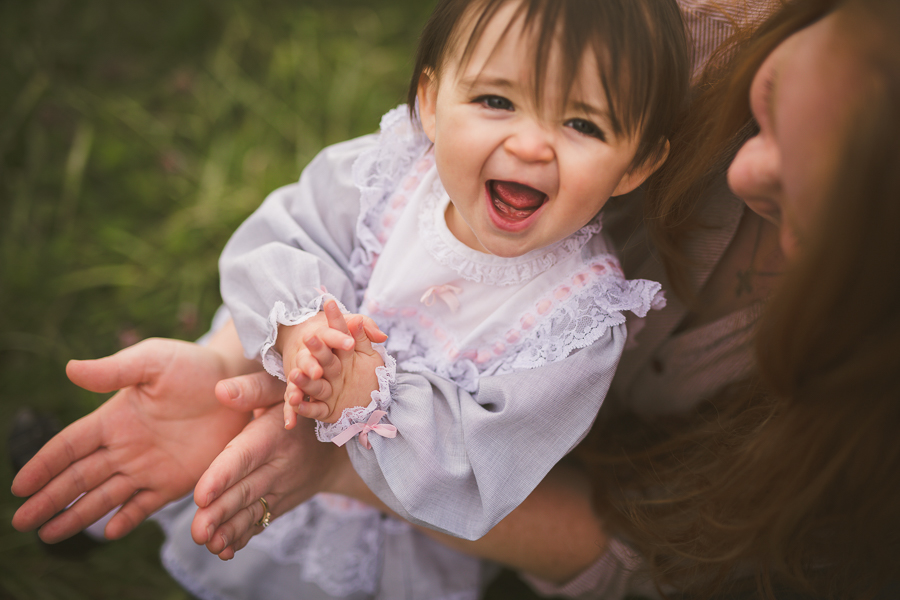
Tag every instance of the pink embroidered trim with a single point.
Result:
(372, 425)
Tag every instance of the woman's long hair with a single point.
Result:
(792, 477)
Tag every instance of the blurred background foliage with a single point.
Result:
(134, 138)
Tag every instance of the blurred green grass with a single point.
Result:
(134, 138)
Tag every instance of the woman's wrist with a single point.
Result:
(227, 346)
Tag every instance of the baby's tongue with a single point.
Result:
(515, 199)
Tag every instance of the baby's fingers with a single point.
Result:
(290, 417)
(307, 363)
(335, 318)
(317, 388)
(334, 339)
(322, 353)
(315, 409)
(371, 328)
(358, 331)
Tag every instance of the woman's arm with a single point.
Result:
(553, 535)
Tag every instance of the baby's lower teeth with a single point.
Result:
(511, 212)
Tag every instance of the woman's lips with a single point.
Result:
(514, 201)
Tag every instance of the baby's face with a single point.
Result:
(520, 176)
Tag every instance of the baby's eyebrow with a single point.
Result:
(590, 109)
(500, 82)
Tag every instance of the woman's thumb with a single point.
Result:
(136, 364)
(248, 392)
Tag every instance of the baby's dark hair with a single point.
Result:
(640, 45)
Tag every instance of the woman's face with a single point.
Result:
(802, 97)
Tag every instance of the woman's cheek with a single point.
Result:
(789, 241)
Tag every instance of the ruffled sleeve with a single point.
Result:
(315, 239)
(461, 461)
(293, 252)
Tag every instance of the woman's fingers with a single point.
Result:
(88, 509)
(76, 441)
(251, 448)
(248, 392)
(241, 541)
(135, 510)
(239, 528)
(214, 525)
(54, 478)
(227, 554)
(208, 521)
(79, 478)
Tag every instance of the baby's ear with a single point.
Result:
(640, 173)
(427, 96)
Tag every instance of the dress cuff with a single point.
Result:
(272, 360)
(609, 577)
(363, 420)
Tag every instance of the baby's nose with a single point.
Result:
(531, 143)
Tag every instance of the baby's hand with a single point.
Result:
(296, 355)
(329, 375)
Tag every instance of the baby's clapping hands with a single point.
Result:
(329, 363)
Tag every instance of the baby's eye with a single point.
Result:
(495, 102)
(586, 128)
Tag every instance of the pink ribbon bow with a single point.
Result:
(447, 293)
(363, 430)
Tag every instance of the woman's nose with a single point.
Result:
(531, 142)
(755, 172)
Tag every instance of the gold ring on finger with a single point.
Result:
(267, 516)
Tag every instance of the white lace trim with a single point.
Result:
(381, 400)
(578, 324)
(573, 315)
(377, 173)
(272, 360)
(485, 268)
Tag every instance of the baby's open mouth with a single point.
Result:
(515, 201)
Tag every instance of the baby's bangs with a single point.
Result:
(640, 48)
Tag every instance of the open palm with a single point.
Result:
(146, 446)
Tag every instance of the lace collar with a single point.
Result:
(486, 268)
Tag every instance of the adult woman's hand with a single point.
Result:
(146, 446)
(286, 467)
